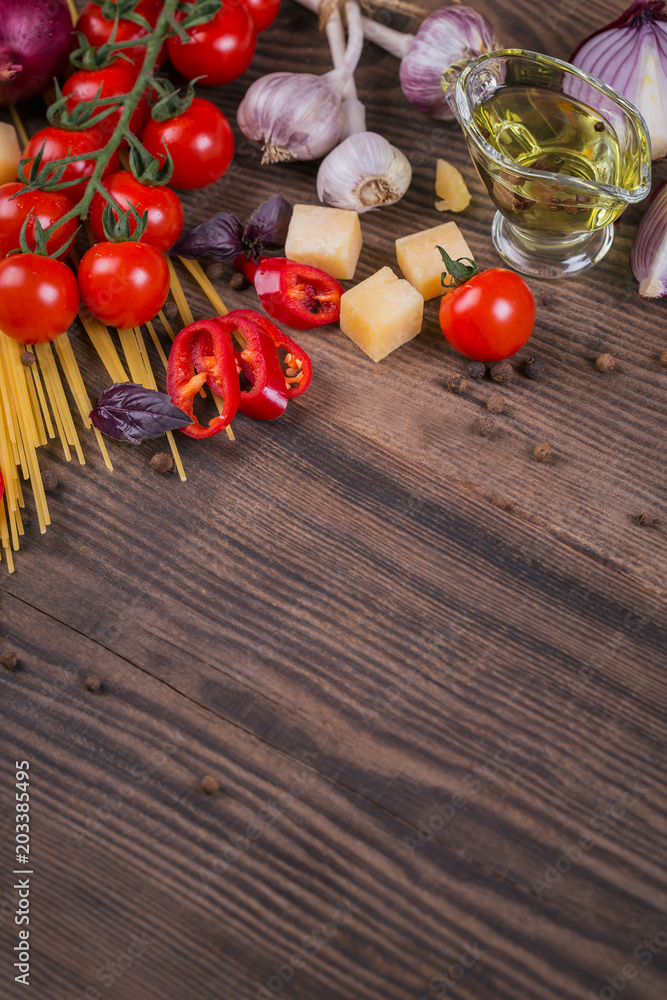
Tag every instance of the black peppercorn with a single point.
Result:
(170, 309)
(484, 426)
(476, 369)
(502, 371)
(238, 281)
(534, 368)
(495, 403)
(456, 383)
(599, 127)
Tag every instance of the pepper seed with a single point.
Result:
(662, 360)
(209, 785)
(484, 426)
(646, 520)
(238, 281)
(9, 659)
(605, 362)
(162, 463)
(456, 383)
(599, 126)
(170, 309)
(502, 371)
(543, 452)
(534, 368)
(495, 403)
(476, 369)
(93, 684)
(49, 480)
(28, 358)
(215, 270)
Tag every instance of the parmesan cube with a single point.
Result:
(381, 313)
(328, 238)
(450, 186)
(10, 153)
(420, 260)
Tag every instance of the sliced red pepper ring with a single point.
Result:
(203, 353)
(299, 371)
(298, 295)
(259, 361)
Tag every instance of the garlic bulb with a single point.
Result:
(299, 116)
(363, 172)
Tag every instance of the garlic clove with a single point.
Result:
(363, 172)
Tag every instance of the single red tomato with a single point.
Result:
(490, 316)
(47, 206)
(165, 212)
(58, 143)
(262, 12)
(39, 298)
(200, 141)
(220, 50)
(116, 80)
(97, 28)
(124, 284)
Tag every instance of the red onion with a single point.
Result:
(648, 258)
(35, 43)
(630, 55)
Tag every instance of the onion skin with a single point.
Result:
(36, 38)
(630, 55)
(446, 37)
(648, 257)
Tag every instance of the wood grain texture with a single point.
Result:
(356, 618)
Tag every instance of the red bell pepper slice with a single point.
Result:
(299, 372)
(298, 295)
(259, 361)
(245, 266)
(203, 352)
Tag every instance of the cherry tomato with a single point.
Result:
(58, 142)
(165, 212)
(200, 141)
(39, 298)
(47, 206)
(262, 12)
(220, 50)
(490, 316)
(124, 284)
(114, 81)
(97, 28)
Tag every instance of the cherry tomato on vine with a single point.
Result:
(47, 206)
(262, 12)
(39, 298)
(219, 51)
(200, 141)
(490, 316)
(97, 28)
(58, 143)
(113, 81)
(124, 284)
(165, 212)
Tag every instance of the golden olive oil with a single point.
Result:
(552, 132)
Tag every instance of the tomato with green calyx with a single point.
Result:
(485, 315)
(39, 298)
(116, 80)
(124, 284)
(200, 141)
(163, 206)
(98, 29)
(46, 206)
(263, 12)
(59, 143)
(218, 51)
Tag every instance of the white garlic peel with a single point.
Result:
(363, 172)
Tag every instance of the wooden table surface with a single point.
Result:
(427, 671)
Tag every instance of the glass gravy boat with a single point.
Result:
(560, 153)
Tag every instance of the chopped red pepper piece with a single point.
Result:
(298, 295)
(245, 266)
(203, 352)
(260, 363)
(299, 372)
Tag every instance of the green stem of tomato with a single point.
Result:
(130, 102)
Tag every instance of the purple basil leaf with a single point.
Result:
(219, 236)
(129, 412)
(270, 221)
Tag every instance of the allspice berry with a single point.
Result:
(534, 368)
(477, 369)
(495, 403)
(93, 684)
(663, 359)
(646, 520)
(547, 299)
(456, 383)
(238, 281)
(162, 463)
(215, 270)
(209, 785)
(543, 452)
(170, 309)
(49, 480)
(484, 426)
(502, 371)
(28, 358)
(9, 659)
(604, 362)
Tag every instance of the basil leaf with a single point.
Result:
(270, 222)
(219, 236)
(129, 412)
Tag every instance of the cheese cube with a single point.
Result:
(421, 262)
(450, 186)
(328, 238)
(10, 153)
(381, 313)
